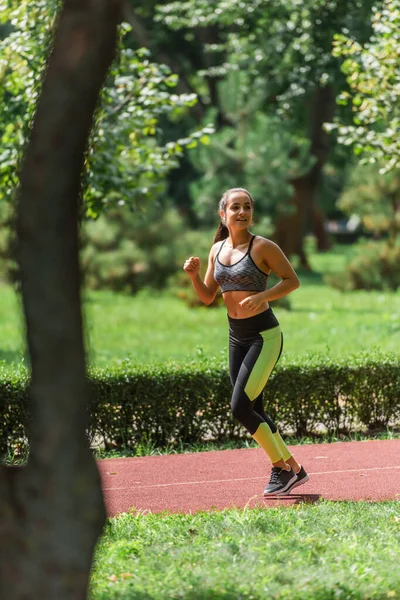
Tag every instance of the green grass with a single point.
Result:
(153, 327)
(325, 551)
(11, 331)
(148, 449)
(149, 328)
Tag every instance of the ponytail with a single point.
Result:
(222, 233)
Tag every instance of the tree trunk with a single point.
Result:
(291, 228)
(51, 510)
(321, 235)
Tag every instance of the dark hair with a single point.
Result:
(222, 232)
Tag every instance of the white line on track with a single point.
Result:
(209, 481)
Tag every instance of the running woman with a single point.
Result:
(240, 262)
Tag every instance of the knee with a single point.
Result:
(237, 411)
(241, 408)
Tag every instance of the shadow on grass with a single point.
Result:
(295, 498)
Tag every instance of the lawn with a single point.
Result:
(325, 551)
(149, 328)
(153, 327)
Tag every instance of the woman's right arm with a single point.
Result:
(207, 289)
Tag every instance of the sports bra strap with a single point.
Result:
(251, 243)
(220, 248)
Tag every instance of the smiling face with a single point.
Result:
(238, 212)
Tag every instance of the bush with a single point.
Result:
(13, 410)
(191, 402)
(8, 266)
(192, 243)
(124, 250)
(375, 266)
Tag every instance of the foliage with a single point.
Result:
(13, 410)
(286, 43)
(301, 397)
(373, 76)
(130, 250)
(192, 243)
(126, 162)
(127, 250)
(374, 266)
(254, 152)
(374, 197)
(28, 27)
(270, 63)
(8, 267)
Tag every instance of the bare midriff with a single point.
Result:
(235, 311)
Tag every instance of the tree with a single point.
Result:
(373, 95)
(129, 157)
(253, 151)
(133, 145)
(375, 198)
(51, 510)
(287, 46)
(373, 76)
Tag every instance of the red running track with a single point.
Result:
(186, 483)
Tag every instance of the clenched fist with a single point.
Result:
(253, 302)
(192, 266)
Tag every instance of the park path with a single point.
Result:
(186, 483)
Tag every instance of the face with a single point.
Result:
(238, 211)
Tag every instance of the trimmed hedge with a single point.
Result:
(13, 409)
(191, 402)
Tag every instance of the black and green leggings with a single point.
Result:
(255, 345)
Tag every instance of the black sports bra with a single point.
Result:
(244, 275)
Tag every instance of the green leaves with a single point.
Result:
(269, 75)
(373, 76)
(23, 51)
(127, 162)
(128, 158)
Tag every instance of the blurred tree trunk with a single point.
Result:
(52, 511)
(291, 228)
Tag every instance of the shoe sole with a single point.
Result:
(298, 483)
(283, 490)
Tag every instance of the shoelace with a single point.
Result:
(275, 474)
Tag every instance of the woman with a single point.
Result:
(240, 263)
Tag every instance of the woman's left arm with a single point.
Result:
(272, 255)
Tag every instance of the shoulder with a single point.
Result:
(215, 248)
(262, 244)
